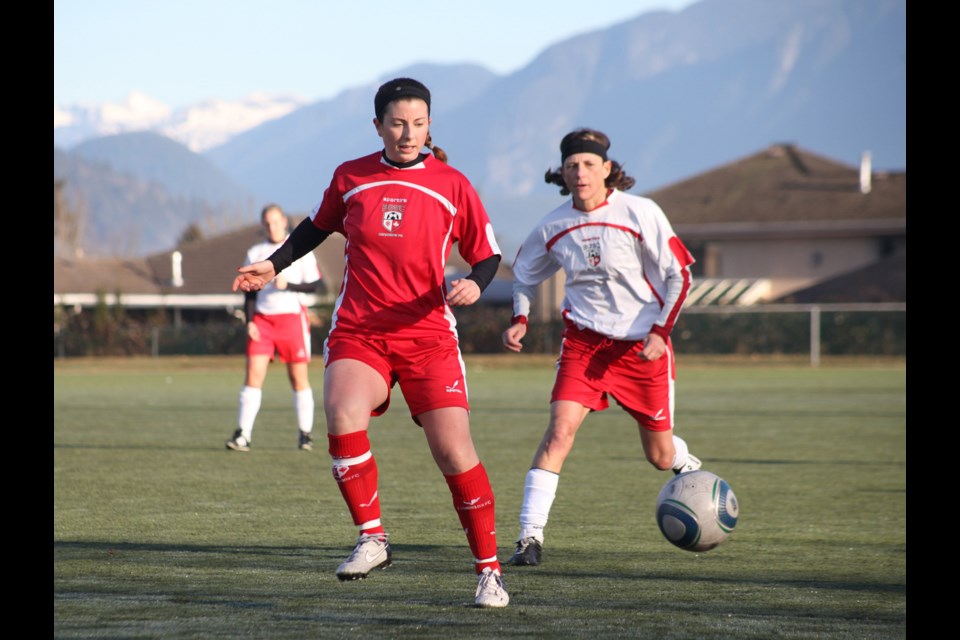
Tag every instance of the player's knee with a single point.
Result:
(559, 440)
(662, 460)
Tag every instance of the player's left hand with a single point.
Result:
(463, 292)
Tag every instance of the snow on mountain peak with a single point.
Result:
(199, 127)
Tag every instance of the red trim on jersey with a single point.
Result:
(552, 241)
(685, 259)
(602, 204)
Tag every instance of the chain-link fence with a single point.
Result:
(817, 330)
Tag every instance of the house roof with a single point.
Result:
(787, 190)
(781, 191)
(208, 268)
(107, 276)
(210, 265)
(883, 281)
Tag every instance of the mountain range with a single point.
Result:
(679, 93)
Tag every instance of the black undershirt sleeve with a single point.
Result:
(304, 239)
(249, 305)
(484, 271)
(306, 287)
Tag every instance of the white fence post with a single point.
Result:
(815, 336)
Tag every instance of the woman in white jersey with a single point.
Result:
(277, 325)
(401, 211)
(627, 276)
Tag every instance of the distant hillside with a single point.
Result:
(152, 157)
(126, 216)
(678, 92)
(291, 159)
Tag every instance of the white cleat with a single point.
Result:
(372, 552)
(490, 589)
(693, 463)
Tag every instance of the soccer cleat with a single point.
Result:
(237, 442)
(693, 463)
(306, 441)
(490, 589)
(527, 554)
(372, 552)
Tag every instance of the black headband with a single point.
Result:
(580, 145)
(396, 89)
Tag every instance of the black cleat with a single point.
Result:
(237, 442)
(306, 441)
(527, 554)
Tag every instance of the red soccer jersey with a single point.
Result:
(400, 226)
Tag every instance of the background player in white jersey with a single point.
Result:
(277, 325)
(627, 276)
(401, 211)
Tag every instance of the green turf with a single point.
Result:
(159, 532)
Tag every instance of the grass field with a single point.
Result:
(159, 532)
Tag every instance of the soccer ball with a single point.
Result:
(697, 510)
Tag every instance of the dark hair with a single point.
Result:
(269, 207)
(405, 88)
(617, 178)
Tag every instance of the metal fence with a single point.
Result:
(809, 330)
(874, 329)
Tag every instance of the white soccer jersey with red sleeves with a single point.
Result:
(400, 226)
(627, 271)
(270, 300)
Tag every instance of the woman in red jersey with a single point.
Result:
(401, 211)
(627, 276)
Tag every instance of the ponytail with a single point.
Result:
(438, 153)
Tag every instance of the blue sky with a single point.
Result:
(185, 51)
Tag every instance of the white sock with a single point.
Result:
(680, 457)
(303, 406)
(539, 490)
(250, 398)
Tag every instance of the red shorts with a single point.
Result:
(591, 366)
(430, 371)
(286, 335)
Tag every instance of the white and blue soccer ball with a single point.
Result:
(697, 510)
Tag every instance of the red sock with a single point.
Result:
(355, 471)
(473, 500)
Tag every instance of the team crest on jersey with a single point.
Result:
(392, 216)
(591, 251)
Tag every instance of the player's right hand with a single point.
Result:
(253, 277)
(513, 336)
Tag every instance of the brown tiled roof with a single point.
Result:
(107, 276)
(208, 267)
(780, 187)
(882, 281)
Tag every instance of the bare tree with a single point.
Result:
(193, 233)
(68, 223)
